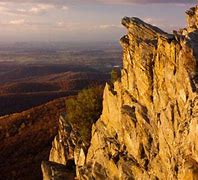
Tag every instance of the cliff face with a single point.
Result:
(149, 125)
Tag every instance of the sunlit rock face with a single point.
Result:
(149, 125)
(66, 155)
(192, 18)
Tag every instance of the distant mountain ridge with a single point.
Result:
(26, 86)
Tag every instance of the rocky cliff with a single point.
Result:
(149, 125)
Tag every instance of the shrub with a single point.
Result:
(84, 109)
(115, 74)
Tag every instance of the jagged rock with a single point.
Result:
(79, 156)
(59, 153)
(149, 125)
(192, 18)
(67, 149)
(64, 143)
(148, 128)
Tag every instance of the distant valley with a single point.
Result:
(31, 76)
(34, 84)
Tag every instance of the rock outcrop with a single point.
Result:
(149, 125)
(67, 152)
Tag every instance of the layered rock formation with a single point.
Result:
(149, 125)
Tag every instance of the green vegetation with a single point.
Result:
(115, 75)
(84, 109)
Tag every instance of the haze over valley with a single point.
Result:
(98, 89)
(35, 81)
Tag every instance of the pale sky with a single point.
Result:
(84, 20)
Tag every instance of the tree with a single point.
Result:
(84, 109)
